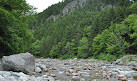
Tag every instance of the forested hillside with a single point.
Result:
(100, 29)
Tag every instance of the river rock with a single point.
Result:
(3, 73)
(122, 78)
(126, 59)
(17, 74)
(132, 63)
(24, 78)
(135, 68)
(1, 77)
(42, 66)
(38, 70)
(119, 61)
(24, 62)
(48, 78)
(75, 78)
(128, 73)
(33, 78)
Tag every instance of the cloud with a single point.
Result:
(42, 4)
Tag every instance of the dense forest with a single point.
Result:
(15, 36)
(101, 29)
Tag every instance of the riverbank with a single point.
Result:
(75, 70)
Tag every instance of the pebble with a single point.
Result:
(74, 74)
(53, 75)
(66, 63)
(122, 78)
(75, 78)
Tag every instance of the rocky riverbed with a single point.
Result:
(74, 70)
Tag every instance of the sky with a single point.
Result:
(42, 4)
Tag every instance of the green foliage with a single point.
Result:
(131, 23)
(55, 51)
(117, 39)
(71, 48)
(35, 48)
(109, 43)
(107, 57)
(74, 47)
(14, 35)
(83, 49)
(133, 8)
(77, 30)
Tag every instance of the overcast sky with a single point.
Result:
(42, 4)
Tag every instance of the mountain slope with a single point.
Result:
(72, 33)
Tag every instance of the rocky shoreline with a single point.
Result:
(75, 70)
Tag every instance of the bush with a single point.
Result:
(107, 57)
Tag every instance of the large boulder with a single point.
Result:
(24, 62)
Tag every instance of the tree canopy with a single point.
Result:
(14, 35)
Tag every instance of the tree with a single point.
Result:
(71, 48)
(35, 48)
(131, 23)
(118, 40)
(68, 48)
(74, 48)
(14, 35)
(133, 8)
(56, 51)
(83, 48)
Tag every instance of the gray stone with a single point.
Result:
(45, 79)
(49, 79)
(11, 78)
(122, 78)
(38, 70)
(52, 75)
(54, 17)
(75, 74)
(33, 78)
(39, 79)
(126, 59)
(66, 63)
(132, 63)
(42, 66)
(24, 78)
(70, 7)
(18, 74)
(128, 73)
(5, 73)
(37, 64)
(75, 59)
(24, 62)
(76, 78)
(1, 77)
(119, 61)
